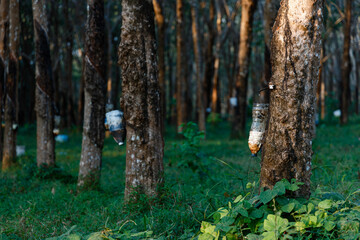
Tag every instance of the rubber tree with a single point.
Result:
(4, 55)
(271, 8)
(44, 90)
(200, 98)
(295, 59)
(181, 106)
(95, 97)
(141, 99)
(160, 22)
(9, 151)
(346, 66)
(239, 119)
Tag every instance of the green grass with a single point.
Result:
(32, 207)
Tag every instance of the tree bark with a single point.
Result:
(69, 43)
(209, 56)
(346, 66)
(295, 60)
(199, 72)
(55, 51)
(239, 119)
(141, 99)
(181, 110)
(4, 56)
(215, 98)
(270, 11)
(27, 83)
(9, 151)
(160, 21)
(95, 97)
(44, 88)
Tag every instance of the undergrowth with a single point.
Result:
(201, 177)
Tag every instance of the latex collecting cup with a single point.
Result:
(260, 114)
(115, 123)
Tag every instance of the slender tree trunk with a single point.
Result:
(215, 98)
(55, 52)
(295, 59)
(95, 97)
(160, 21)
(81, 95)
(270, 11)
(181, 110)
(320, 94)
(199, 72)
(27, 83)
(109, 62)
(209, 56)
(44, 88)
(9, 152)
(346, 66)
(247, 15)
(4, 56)
(357, 87)
(70, 114)
(141, 99)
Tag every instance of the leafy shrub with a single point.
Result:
(272, 215)
(190, 154)
(214, 118)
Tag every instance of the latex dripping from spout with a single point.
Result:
(260, 114)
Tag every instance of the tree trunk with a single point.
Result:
(81, 95)
(4, 56)
(141, 99)
(199, 72)
(9, 152)
(109, 63)
(357, 86)
(95, 97)
(215, 98)
(27, 83)
(54, 38)
(160, 21)
(295, 60)
(69, 43)
(239, 119)
(44, 88)
(270, 11)
(209, 56)
(181, 105)
(346, 66)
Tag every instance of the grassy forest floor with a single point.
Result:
(37, 205)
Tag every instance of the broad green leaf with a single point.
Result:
(310, 207)
(300, 226)
(95, 236)
(270, 236)
(288, 207)
(240, 209)
(238, 198)
(209, 228)
(326, 204)
(266, 196)
(329, 225)
(220, 213)
(252, 236)
(279, 188)
(257, 213)
(206, 236)
(276, 224)
(312, 220)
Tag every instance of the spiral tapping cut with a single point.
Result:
(258, 126)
